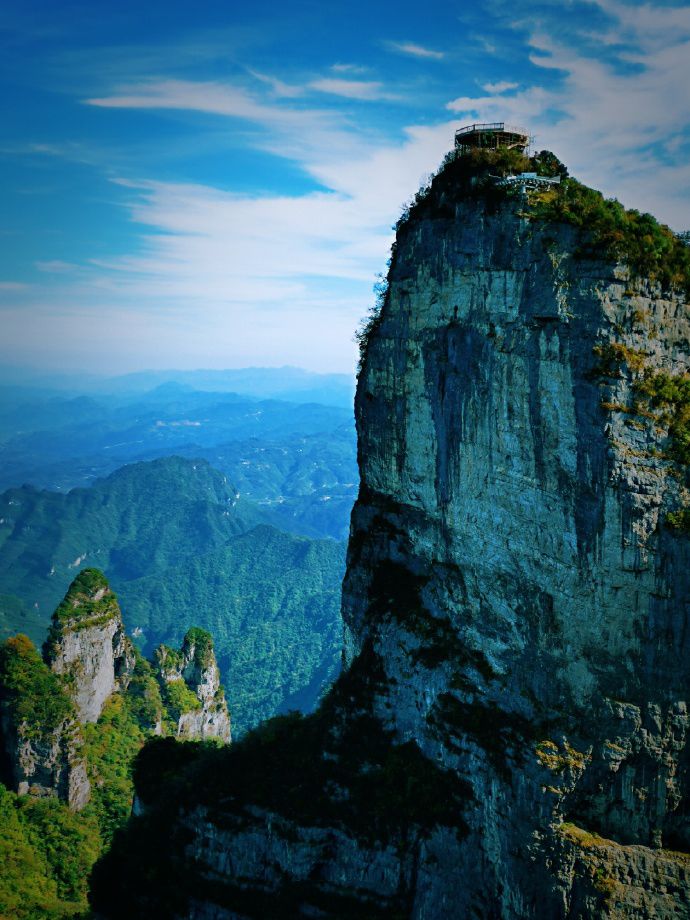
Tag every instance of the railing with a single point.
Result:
(492, 126)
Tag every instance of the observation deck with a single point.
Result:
(491, 136)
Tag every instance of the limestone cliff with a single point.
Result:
(509, 739)
(191, 687)
(44, 703)
(87, 644)
(39, 730)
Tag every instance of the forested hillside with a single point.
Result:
(181, 549)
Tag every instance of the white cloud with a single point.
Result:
(416, 50)
(231, 279)
(500, 87)
(280, 89)
(351, 89)
(618, 130)
(348, 68)
(213, 97)
(228, 279)
(56, 266)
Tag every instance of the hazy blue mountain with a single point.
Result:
(292, 384)
(310, 483)
(301, 459)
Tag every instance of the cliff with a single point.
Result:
(39, 729)
(44, 703)
(509, 739)
(52, 736)
(87, 644)
(191, 687)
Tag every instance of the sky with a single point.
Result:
(213, 184)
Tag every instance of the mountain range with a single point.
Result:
(182, 548)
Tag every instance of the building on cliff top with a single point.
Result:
(491, 136)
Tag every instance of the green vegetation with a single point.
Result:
(180, 550)
(679, 520)
(180, 699)
(143, 694)
(665, 391)
(373, 318)
(605, 229)
(610, 232)
(169, 658)
(88, 602)
(612, 355)
(33, 695)
(272, 603)
(655, 390)
(46, 853)
(16, 617)
(110, 746)
(202, 642)
(559, 759)
(145, 518)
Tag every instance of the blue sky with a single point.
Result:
(213, 184)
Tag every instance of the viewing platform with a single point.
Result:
(491, 136)
(527, 180)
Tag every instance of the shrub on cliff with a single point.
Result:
(607, 230)
(33, 694)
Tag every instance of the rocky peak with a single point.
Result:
(510, 736)
(191, 686)
(87, 643)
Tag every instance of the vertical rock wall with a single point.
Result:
(87, 643)
(510, 478)
(509, 738)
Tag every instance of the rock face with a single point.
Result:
(87, 643)
(47, 766)
(190, 682)
(510, 737)
(516, 486)
(39, 732)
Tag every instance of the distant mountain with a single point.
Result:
(142, 518)
(292, 384)
(308, 482)
(181, 549)
(300, 459)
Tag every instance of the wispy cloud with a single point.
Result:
(57, 267)
(348, 68)
(280, 89)
(416, 50)
(502, 87)
(350, 89)
(213, 97)
(253, 276)
(239, 278)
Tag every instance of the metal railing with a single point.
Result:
(492, 126)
